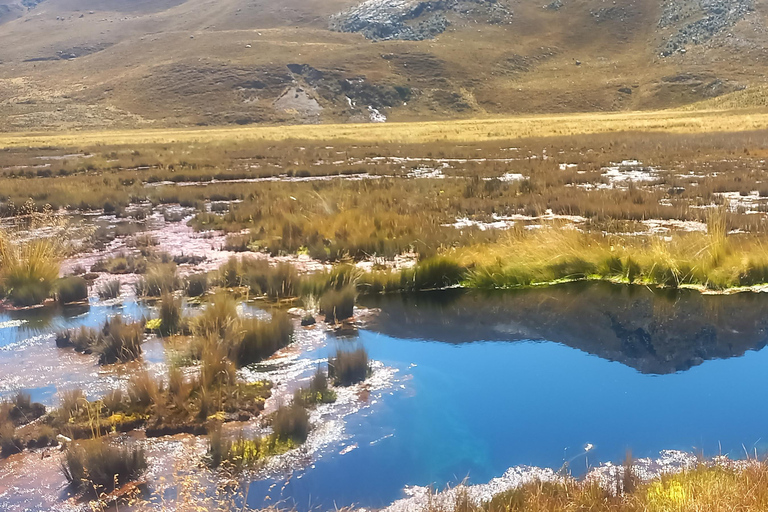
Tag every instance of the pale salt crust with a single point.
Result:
(751, 203)
(507, 221)
(606, 475)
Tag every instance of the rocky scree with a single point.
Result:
(413, 20)
(701, 21)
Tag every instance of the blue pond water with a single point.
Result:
(475, 409)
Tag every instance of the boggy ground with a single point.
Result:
(670, 209)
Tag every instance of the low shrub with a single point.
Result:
(348, 367)
(72, 289)
(95, 465)
(9, 442)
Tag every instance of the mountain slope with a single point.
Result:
(110, 63)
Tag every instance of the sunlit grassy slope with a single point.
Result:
(672, 121)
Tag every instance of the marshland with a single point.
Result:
(564, 322)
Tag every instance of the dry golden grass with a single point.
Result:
(473, 130)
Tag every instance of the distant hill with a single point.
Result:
(68, 64)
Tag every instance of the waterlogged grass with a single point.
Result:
(349, 367)
(117, 340)
(318, 391)
(72, 289)
(715, 488)
(28, 270)
(338, 304)
(95, 466)
(711, 261)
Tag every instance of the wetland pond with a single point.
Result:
(467, 385)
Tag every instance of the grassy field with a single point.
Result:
(473, 130)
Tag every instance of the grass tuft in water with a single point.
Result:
(72, 289)
(317, 392)
(349, 367)
(338, 305)
(96, 466)
(28, 271)
(109, 290)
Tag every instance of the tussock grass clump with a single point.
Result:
(317, 392)
(28, 270)
(20, 410)
(219, 317)
(338, 305)
(197, 285)
(290, 424)
(170, 314)
(259, 339)
(437, 272)
(121, 264)
(95, 465)
(82, 339)
(349, 367)
(159, 279)
(273, 281)
(72, 289)
(9, 442)
(116, 341)
(119, 341)
(109, 290)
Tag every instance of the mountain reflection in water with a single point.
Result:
(654, 331)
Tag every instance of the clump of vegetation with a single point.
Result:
(259, 339)
(436, 273)
(290, 425)
(96, 466)
(72, 289)
(119, 341)
(121, 264)
(170, 314)
(9, 441)
(28, 270)
(273, 281)
(219, 317)
(338, 305)
(116, 341)
(349, 367)
(317, 392)
(197, 285)
(82, 339)
(159, 279)
(109, 290)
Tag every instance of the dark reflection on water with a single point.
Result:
(653, 331)
(616, 368)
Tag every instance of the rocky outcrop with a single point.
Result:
(699, 21)
(413, 20)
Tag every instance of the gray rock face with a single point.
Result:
(412, 20)
(702, 20)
